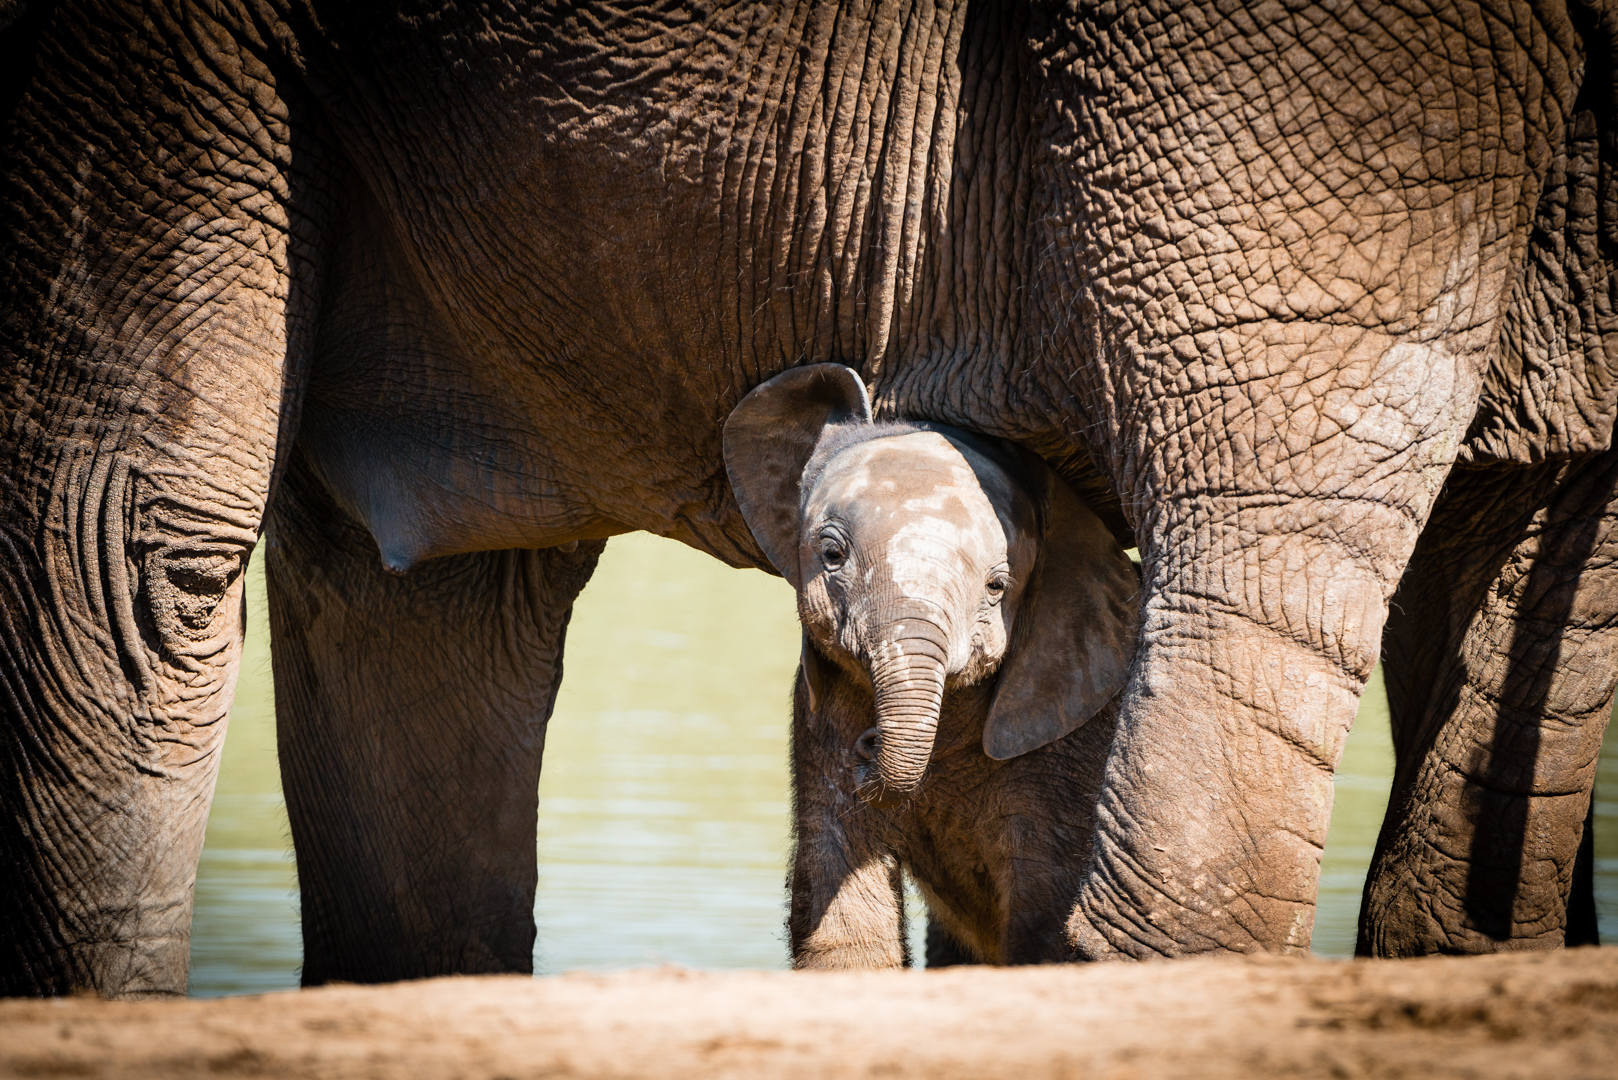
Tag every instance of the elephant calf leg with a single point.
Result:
(853, 917)
(411, 713)
(1500, 668)
(847, 887)
(943, 950)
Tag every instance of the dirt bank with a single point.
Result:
(1552, 1015)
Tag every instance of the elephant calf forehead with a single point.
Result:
(920, 473)
(920, 493)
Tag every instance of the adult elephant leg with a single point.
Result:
(1277, 387)
(1583, 922)
(1501, 657)
(155, 300)
(411, 713)
(1217, 794)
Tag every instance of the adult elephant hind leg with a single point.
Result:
(156, 180)
(411, 714)
(1583, 922)
(1499, 646)
(1500, 654)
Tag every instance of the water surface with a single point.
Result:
(663, 805)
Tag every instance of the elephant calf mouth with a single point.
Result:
(867, 746)
(867, 779)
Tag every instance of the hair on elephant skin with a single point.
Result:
(964, 616)
(1309, 305)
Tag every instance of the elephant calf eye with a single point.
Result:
(997, 586)
(832, 555)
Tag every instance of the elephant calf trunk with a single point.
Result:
(909, 691)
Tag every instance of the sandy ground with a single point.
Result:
(1528, 1015)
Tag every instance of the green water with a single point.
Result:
(663, 824)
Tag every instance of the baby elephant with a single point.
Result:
(964, 615)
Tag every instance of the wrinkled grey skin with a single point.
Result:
(963, 615)
(467, 287)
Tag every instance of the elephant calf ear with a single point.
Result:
(1075, 635)
(770, 436)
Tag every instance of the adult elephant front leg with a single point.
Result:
(155, 304)
(1500, 661)
(411, 712)
(1274, 283)
(1263, 616)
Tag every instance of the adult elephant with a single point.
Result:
(475, 286)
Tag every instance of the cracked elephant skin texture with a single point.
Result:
(432, 300)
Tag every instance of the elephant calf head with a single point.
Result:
(927, 558)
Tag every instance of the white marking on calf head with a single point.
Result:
(927, 521)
